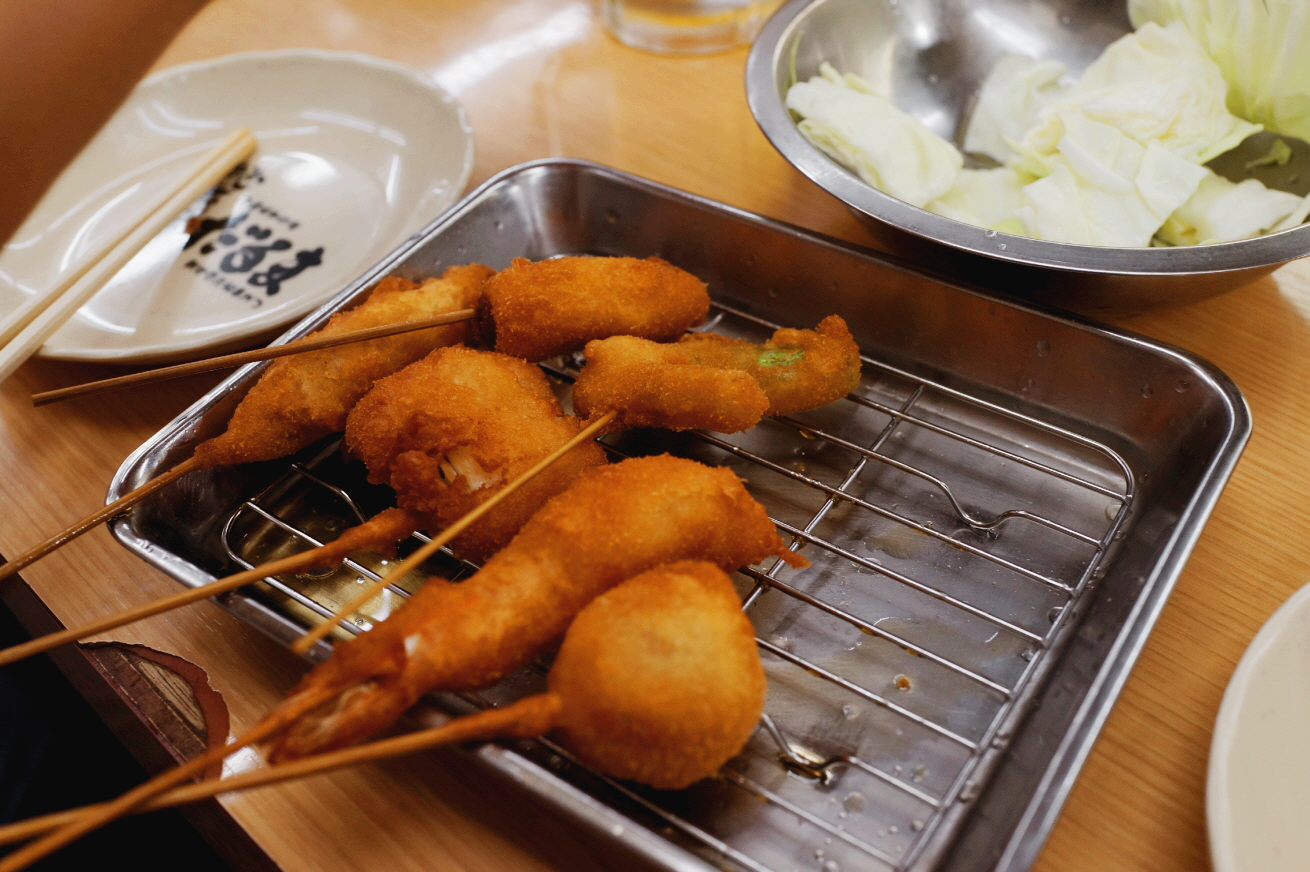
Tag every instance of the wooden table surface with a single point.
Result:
(540, 79)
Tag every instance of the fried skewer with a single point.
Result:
(709, 382)
(658, 681)
(303, 398)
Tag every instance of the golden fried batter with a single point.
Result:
(711, 382)
(540, 309)
(448, 432)
(658, 681)
(304, 397)
(616, 521)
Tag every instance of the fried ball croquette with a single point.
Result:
(657, 681)
(537, 310)
(304, 397)
(451, 430)
(615, 522)
(710, 382)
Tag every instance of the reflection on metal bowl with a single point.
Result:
(929, 57)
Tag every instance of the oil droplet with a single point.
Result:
(818, 853)
(1027, 654)
(1054, 613)
(1002, 246)
(831, 866)
(990, 234)
(853, 801)
(780, 642)
(893, 830)
(903, 682)
(1043, 348)
(917, 826)
(919, 773)
(1182, 386)
(969, 792)
(1147, 390)
(850, 712)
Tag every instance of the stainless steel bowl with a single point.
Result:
(929, 57)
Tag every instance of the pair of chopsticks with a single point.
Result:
(27, 328)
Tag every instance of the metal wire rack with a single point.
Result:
(950, 541)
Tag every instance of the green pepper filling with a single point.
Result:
(781, 356)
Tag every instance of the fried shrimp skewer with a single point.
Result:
(710, 382)
(303, 398)
(614, 522)
(540, 309)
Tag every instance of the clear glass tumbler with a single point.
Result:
(686, 26)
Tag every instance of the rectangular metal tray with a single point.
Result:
(994, 518)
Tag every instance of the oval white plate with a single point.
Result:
(355, 155)
(1258, 790)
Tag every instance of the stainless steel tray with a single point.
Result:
(994, 518)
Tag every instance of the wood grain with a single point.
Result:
(539, 80)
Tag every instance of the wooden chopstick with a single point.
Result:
(27, 328)
(243, 357)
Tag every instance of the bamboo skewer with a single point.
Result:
(112, 510)
(371, 752)
(27, 328)
(293, 563)
(305, 642)
(244, 357)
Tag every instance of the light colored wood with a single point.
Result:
(540, 80)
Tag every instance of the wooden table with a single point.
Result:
(538, 80)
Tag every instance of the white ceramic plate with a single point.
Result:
(355, 155)
(1258, 792)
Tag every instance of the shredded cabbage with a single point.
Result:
(1155, 85)
(888, 148)
(1105, 188)
(1262, 48)
(1010, 102)
(1222, 211)
(984, 198)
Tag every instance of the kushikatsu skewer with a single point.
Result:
(241, 358)
(293, 405)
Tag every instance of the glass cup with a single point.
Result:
(685, 26)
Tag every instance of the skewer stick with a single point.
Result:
(244, 357)
(305, 642)
(293, 563)
(371, 752)
(27, 328)
(112, 510)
